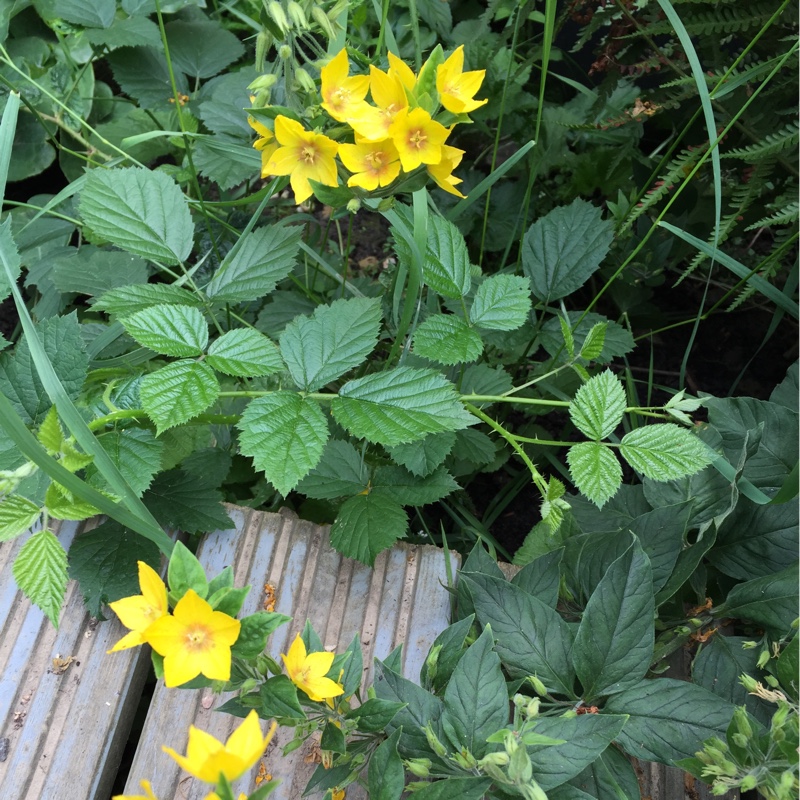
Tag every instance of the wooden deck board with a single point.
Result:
(311, 580)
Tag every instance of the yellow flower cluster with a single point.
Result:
(395, 134)
(193, 640)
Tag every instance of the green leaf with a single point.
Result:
(171, 330)
(92, 13)
(455, 789)
(595, 471)
(447, 339)
(244, 352)
(617, 341)
(610, 775)
(219, 47)
(423, 456)
(770, 601)
(541, 577)
(374, 715)
(447, 267)
(185, 572)
(584, 738)
(127, 300)
(187, 502)
(137, 455)
(665, 452)
(279, 699)
(93, 271)
(255, 631)
(335, 339)
(531, 637)
(475, 447)
(787, 670)
(399, 405)
(668, 719)
(719, 664)
(40, 570)
(563, 249)
(502, 303)
(340, 472)
(614, 643)
(142, 73)
(399, 485)
(598, 406)
(255, 265)
(126, 32)
(19, 380)
(366, 525)
(594, 342)
(386, 776)
(139, 210)
(475, 700)
(104, 562)
(174, 394)
(284, 433)
(786, 392)
(17, 514)
(224, 160)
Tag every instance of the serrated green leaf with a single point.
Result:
(139, 210)
(423, 456)
(224, 159)
(92, 13)
(142, 72)
(187, 502)
(617, 342)
(483, 379)
(129, 300)
(171, 330)
(62, 504)
(219, 47)
(126, 32)
(447, 266)
(40, 570)
(665, 452)
(447, 339)
(340, 472)
(254, 267)
(176, 393)
(399, 405)
(502, 303)
(598, 406)
(104, 562)
(564, 248)
(137, 454)
(244, 352)
(566, 334)
(474, 446)
(595, 470)
(50, 434)
(338, 337)
(93, 271)
(411, 490)
(366, 525)
(284, 433)
(594, 341)
(17, 514)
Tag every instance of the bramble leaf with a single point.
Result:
(665, 452)
(595, 470)
(17, 514)
(598, 406)
(366, 525)
(244, 352)
(40, 570)
(172, 330)
(447, 339)
(501, 303)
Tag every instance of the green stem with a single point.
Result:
(499, 398)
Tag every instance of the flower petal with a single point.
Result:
(322, 688)
(180, 667)
(191, 607)
(132, 639)
(247, 740)
(153, 588)
(165, 635)
(135, 613)
(319, 662)
(295, 658)
(282, 162)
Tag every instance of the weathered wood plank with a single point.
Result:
(62, 728)
(401, 599)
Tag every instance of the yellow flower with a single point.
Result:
(337, 794)
(442, 173)
(399, 68)
(207, 758)
(148, 794)
(215, 796)
(417, 137)
(388, 92)
(374, 164)
(195, 640)
(307, 671)
(457, 88)
(303, 155)
(265, 142)
(140, 611)
(340, 92)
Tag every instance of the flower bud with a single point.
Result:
(497, 759)
(532, 709)
(749, 683)
(538, 686)
(465, 759)
(740, 740)
(519, 700)
(432, 661)
(421, 767)
(433, 741)
(353, 207)
(297, 15)
(264, 41)
(495, 773)
(772, 681)
(285, 52)
(763, 658)
(263, 82)
(749, 645)
(305, 80)
(275, 10)
(788, 781)
(748, 782)
(520, 769)
(510, 743)
(322, 19)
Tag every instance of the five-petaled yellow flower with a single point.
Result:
(387, 91)
(140, 611)
(457, 88)
(340, 92)
(307, 671)
(207, 758)
(399, 68)
(374, 164)
(442, 173)
(148, 793)
(303, 155)
(265, 143)
(195, 640)
(417, 137)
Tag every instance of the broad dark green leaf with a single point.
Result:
(787, 668)
(142, 73)
(400, 485)
(386, 776)
(201, 48)
(617, 342)
(455, 789)
(93, 271)
(614, 644)
(104, 562)
(92, 13)
(532, 638)
(719, 664)
(587, 736)
(340, 472)
(449, 649)
(541, 577)
(669, 719)
(255, 631)
(279, 699)
(374, 715)
(284, 433)
(611, 776)
(786, 392)
(447, 339)
(367, 524)
(337, 338)
(563, 249)
(126, 32)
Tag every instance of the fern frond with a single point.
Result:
(785, 216)
(718, 22)
(772, 144)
